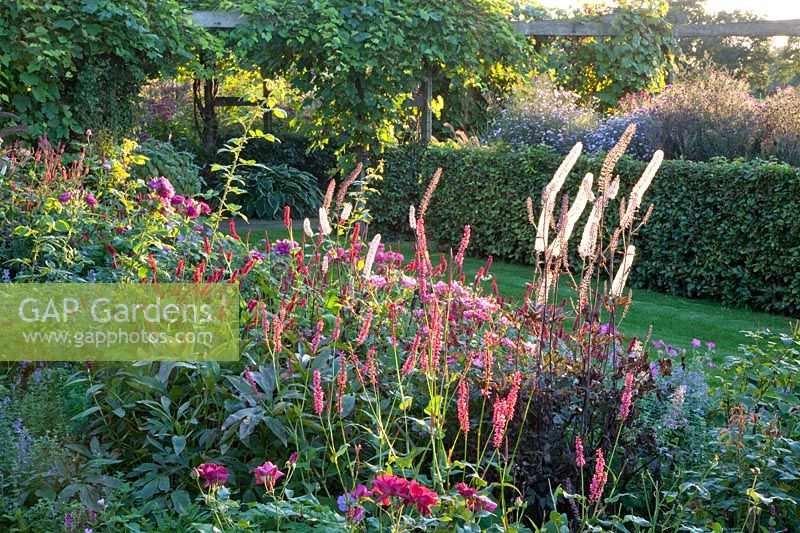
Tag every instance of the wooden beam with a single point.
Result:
(218, 19)
(756, 28)
(565, 28)
(233, 101)
(574, 28)
(603, 28)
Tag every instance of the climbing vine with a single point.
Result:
(361, 64)
(603, 69)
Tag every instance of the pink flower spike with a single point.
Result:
(580, 460)
(319, 398)
(627, 394)
(599, 478)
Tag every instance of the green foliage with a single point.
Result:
(754, 446)
(604, 69)
(71, 64)
(360, 65)
(270, 189)
(294, 150)
(722, 230)
(164, 160)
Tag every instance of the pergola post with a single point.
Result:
(426, 129)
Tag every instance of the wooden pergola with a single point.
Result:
(545, 28)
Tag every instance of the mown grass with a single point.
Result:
(675, 320)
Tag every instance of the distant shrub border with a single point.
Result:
(722, 230)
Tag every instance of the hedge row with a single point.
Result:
(722, 230)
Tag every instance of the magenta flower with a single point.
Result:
(212, 474)
(66, 197)
(91, 200)
(267, 474)
(422, 497)
(696, 343)
(386, 486)
(284, 247)
(710, 345)
(192, 210)
(475, 502)
(162, 187)
(293, 459)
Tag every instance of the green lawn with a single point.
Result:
(675, 320)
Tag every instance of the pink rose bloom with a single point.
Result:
(267, 474)
(212, 474)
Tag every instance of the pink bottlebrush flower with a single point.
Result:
(337, 329)
(362, 335)
(411, 361)
(371, 367)
(599, 479)
(580, 460)
(499, 420)
(319, 398)
(179, 269)
(267, 474)
(317, 336)
(627, 394)
(248, 376)
(462, 249)
(212, 474)
(91, 200)
(463, 406)
(287, 216)
(511, 399)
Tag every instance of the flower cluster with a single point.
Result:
(387, 488)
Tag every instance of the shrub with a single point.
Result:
(164, 160)
(609, 130)
(538, 112)
(754, 438)
(69, 65)
(294, 150)
(779, 126)
(269, 190)
(720, 230)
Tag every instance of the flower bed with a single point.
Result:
(374, 390)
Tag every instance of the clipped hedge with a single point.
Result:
(722, 230)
